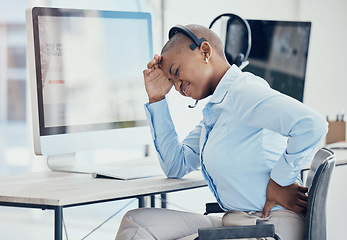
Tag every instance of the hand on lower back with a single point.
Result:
(291, 197)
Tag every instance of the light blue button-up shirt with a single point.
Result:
(248, 134)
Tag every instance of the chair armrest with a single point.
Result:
(213, 208)
(235, 232)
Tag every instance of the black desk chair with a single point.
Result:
(317, 181)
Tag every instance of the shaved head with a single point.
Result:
(194, 73)
(180, 42)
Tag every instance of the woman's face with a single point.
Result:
(189, 72)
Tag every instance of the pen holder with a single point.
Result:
(336, 132)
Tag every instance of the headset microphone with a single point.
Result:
(193, 106)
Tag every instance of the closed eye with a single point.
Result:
(176, 73)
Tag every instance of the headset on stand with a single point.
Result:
(240, 60)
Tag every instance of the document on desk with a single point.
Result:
(129, 173)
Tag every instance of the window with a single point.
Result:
(14, 151)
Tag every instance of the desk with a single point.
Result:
(340, 160)
(341, 156)
(58, 190)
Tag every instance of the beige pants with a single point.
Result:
(165, 224)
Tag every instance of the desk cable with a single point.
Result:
(126, 205)
(100, 225)
(113, 215)
(64, 226)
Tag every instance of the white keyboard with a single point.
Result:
(128, 173)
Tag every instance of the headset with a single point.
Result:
(240, 60)
(180, 28)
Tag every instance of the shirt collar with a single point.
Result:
(224, 84)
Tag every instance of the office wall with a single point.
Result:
(326, 85)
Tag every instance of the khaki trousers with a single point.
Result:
(165, 224)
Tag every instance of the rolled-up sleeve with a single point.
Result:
(176, 159)
(262, 107)
(304, 139)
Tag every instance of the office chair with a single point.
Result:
(317, 181)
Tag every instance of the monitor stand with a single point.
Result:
(67, 163)
(81, 162)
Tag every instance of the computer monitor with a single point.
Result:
(86, 82)
(278, 54)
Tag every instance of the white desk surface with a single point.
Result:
(341, 155)
(64, 189)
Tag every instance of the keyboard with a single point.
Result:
(129, 173)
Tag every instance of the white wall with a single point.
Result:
(326, 86)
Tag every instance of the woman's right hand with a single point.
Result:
(156, 83)
(291, 197)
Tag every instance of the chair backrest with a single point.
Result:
(317, 181)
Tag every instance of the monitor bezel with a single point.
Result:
(282, 23)
(66, 12)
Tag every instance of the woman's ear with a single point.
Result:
(206, 51)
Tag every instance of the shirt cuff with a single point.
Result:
(158, 117)
(283, 173)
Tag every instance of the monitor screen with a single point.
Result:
(278, 53)
(89, 69)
